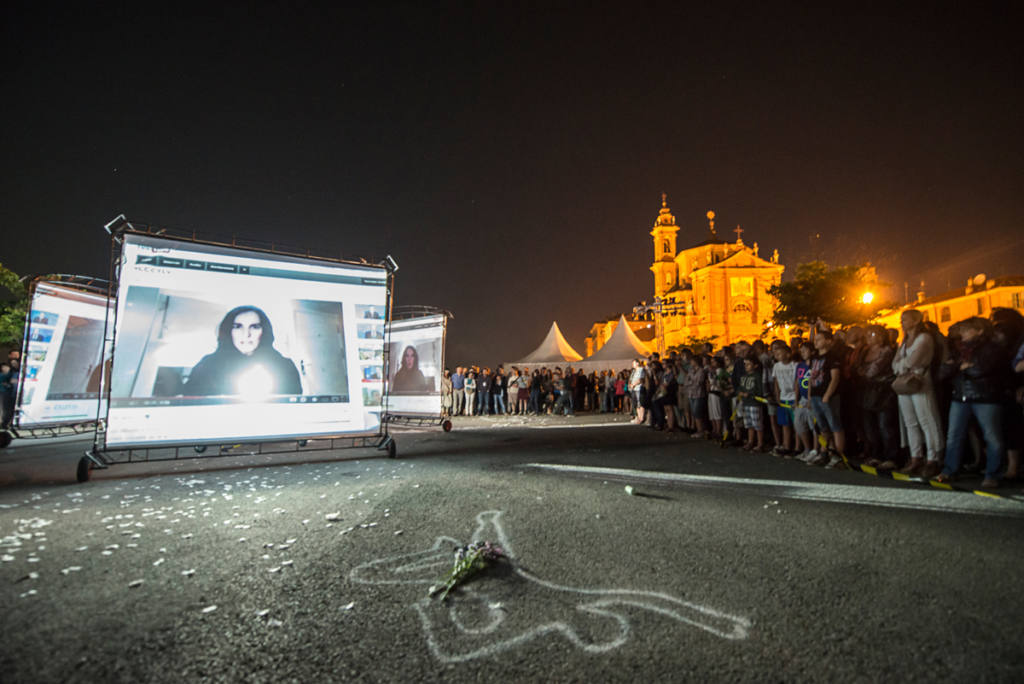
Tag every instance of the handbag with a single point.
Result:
(907, 383)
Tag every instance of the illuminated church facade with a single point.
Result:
(714, 290)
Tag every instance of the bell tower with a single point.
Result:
(664, 234)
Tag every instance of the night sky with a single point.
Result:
(511, 157)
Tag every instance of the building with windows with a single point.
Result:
(978, 298)
(715, 289)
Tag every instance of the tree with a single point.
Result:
(13, 308)
(836, 296)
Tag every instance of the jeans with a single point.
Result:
(499, 404)
(483, 403)
(882, 433)
(990, 420)
(534, 405)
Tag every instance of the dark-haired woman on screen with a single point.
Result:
(409, 378)
(245, 362)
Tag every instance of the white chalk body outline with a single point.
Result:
(428, 566)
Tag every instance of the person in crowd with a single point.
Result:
(919, 410)
(458, 391)
(695, 381)
(470, 384)
(784, 390)
(803, 416)
(826, 378)
(878, 401)
(522, 392)
(664, 396)
(409, 377)
(483, 392)
(751, 388)
(245, 362)
(978, 389)
(536, 387)
(766, 356)
(8, 392)
(498, 387)
(636, 389)
(446, 393)
(621, 396)
(719, 395)
(852, 351)
(1008, 333)
(563, 388)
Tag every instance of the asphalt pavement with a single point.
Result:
(633, 556)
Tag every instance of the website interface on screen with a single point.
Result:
(415, 353)
(62, 366)
(215, 343)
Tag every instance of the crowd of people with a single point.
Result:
(912, 400)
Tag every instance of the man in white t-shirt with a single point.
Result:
(783, 382)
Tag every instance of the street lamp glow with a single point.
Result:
(867, 297)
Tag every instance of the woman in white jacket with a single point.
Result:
(919, 411)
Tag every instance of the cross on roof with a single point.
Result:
(739, 233)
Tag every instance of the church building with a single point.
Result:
(713, 290)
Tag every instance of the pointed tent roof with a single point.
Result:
(554, 349)
(621, 346)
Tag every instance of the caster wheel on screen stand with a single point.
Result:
(5, 439)
(84, 469)
(447, 426)
(199, 449)
(392, 449)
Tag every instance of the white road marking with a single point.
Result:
(916, 498)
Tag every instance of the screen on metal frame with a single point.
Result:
(61, 382)
(215, 343)
(415, 347)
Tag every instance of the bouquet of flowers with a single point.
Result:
(469, 560)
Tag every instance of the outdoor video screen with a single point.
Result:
(62, 366)
(416, 358)
(217, 343)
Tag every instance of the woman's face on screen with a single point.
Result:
(409, 358)
(246, 332)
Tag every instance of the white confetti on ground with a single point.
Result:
(209, 609)
(135, 583)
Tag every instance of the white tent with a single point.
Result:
(554, 350)
(618, 352)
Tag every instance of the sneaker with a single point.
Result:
(809, 456)
(836, 461)
(822, 459)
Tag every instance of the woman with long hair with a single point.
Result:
(919, 410)
(245, 361)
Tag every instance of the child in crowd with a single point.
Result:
(751, 388)
(783, 386)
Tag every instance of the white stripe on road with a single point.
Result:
(862, 495)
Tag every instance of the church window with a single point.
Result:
(742, 307)
(741, 287)
(981, 307)
(665, 247)
(944, 314)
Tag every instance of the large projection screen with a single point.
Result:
(217, 343)
(416, 359)
(61, 359)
